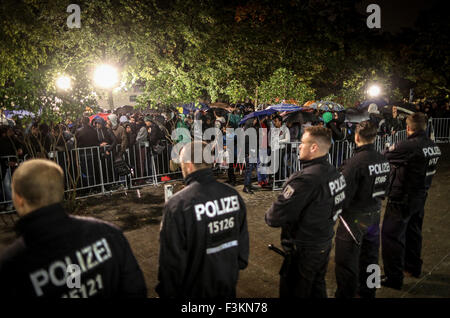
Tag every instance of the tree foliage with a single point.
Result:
(187, 50)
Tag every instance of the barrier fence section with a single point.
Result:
(98, 170)
(339, 152)
(441, 129)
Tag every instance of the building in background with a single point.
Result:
(121, 97)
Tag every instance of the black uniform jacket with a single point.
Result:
(309, 205)
(367, 177)
(413, 165)
(203, 240)
(37, 264)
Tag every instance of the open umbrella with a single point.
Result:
(355, 115)
(219, 105)
(296, 117)
(102, 115)
(284, 107)
(126, 109)
(192, 107)
(270, 110)
(19, 113)
(222, 112)
(328, 106)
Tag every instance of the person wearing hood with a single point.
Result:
(376, 118)
(330, 121)
(86, 136)
(105, 136)
(119, 133)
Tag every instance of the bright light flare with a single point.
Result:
(106, 76)
(374, 91)
(63, 82)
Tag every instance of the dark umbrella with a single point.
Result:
(329, 106)
(292, 118)
(126, 109)
(355, 115)
(221, 112)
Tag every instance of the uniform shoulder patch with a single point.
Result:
(288, 192)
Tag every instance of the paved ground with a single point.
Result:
(140, 217)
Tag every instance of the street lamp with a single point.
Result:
(106, 76)
(63, 82)
(374, 91)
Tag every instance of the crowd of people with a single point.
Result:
(136, 137)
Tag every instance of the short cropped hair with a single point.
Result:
(417, 122)
(39, 182)
(321, 135)
(188, 151)
(278, 117)
(367, 131)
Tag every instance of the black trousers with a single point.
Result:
(402, 237)
(231, 175)
(352, 260)
(302, 274)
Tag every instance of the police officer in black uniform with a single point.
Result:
(413, 164)
(358, 234)
(307, 211)
(58, 255)
(204, 239)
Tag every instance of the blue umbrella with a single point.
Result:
(284, 107)
(192, 107)
(270, 110)
(20, 113)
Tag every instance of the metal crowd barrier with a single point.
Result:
(5, 177)
(441, 129)
(93, 171)
(339, 152)
(288, 163)
(150, 166)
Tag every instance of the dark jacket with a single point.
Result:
(336, 131)
(395, 124)
(8, 152)
(203, 241)
(156, 135)
(86, 137)
(121, 138)
(35, 264)
(413, 164)
(309, 205)
(105, 134)
(367, 176)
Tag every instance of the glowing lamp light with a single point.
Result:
(63, 82)
(374, 91)
(106, 76)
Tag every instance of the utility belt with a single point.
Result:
(291, 246)
(292, 249)
(367, 215)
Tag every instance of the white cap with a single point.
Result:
(373, 109)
